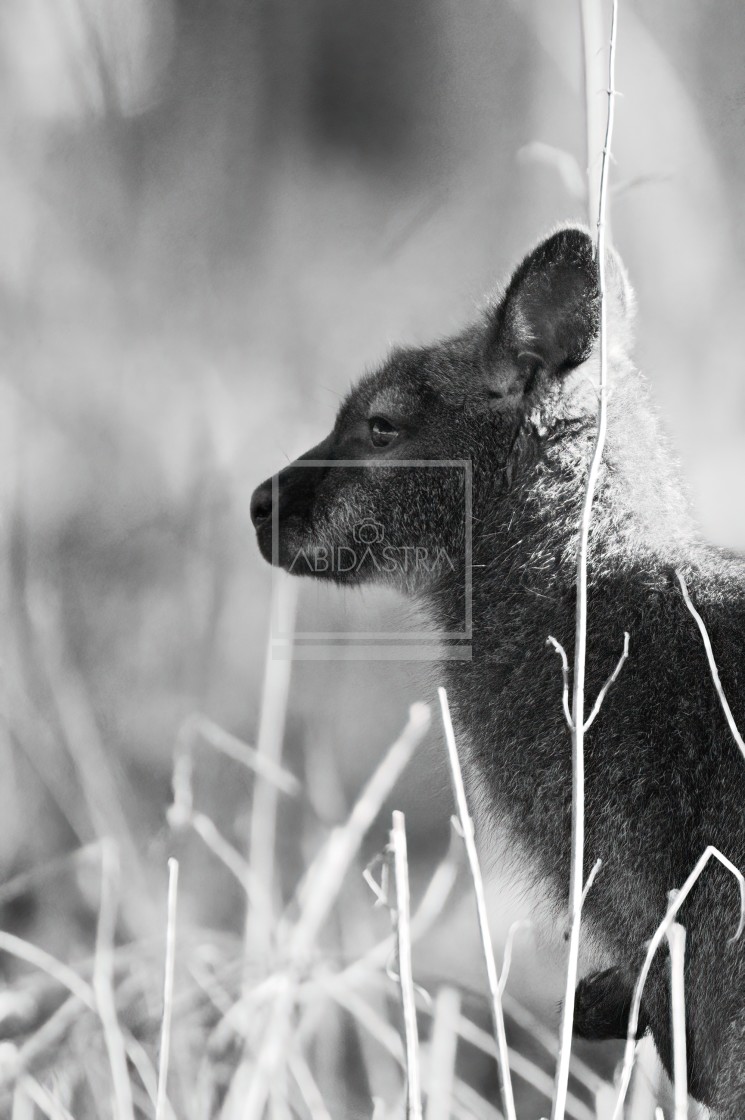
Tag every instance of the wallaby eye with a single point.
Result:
(381, 431)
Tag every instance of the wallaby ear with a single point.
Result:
(549, 317)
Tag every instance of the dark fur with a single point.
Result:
(602, 1005)
(513, 394)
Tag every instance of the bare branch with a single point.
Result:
(591, 28)
(168, 979)
(565, 676)
(712, 666)
(591, 879)
(466, 824)
(430, 907)
(521, 923)
(613, 677)
(676, 937)
(580, 645)
(402, 924)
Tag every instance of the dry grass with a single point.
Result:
(302, 1027)
(305, 1030)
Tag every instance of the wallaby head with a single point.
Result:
(362, 504)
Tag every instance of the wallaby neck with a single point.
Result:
(523, 569)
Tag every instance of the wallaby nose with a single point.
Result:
(261, 504)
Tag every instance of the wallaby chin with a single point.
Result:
(476, 450)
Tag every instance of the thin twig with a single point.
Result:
(712, 666)
(580, 645)
(521, 923)
(430, 907)
(591, 27)
(402, 924)
(565, 678)
(676, 937)
(647, 1083)
(591, 879)
(466, 824)
(103, 981)
(168, 979)
(657, 938)
(197, 726)
(613, 677)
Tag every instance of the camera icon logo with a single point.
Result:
(368, 531)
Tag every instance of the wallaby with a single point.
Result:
(515, 395)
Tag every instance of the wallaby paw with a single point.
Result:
(602, 1003)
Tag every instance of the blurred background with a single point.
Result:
(215, 216)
